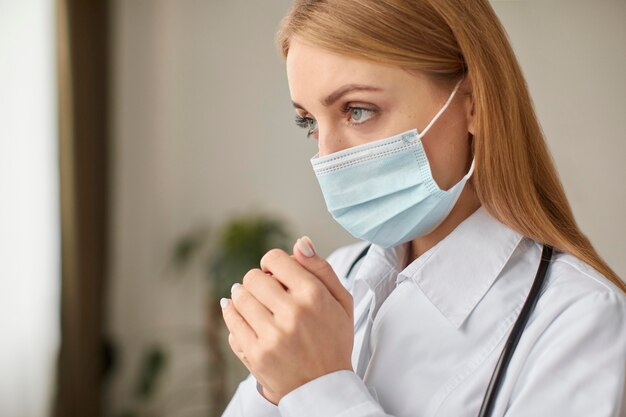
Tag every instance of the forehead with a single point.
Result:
(312, 70)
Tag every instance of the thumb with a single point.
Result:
(304, 252)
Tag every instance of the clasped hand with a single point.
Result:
(290, 321)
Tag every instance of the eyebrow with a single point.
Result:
(340, 92)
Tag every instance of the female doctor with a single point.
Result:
(473, 292)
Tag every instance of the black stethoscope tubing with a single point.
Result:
(507, 352)
(518, 328)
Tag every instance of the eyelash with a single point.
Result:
(305, 122)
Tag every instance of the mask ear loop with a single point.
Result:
(445, 106)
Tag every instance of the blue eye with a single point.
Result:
(358, 115)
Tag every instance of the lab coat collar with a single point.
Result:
(380, 264)
(456, 273)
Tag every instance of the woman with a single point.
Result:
(430, 152)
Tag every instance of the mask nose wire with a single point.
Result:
(445, 106)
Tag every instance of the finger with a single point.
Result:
(305, 254)
(267, 289)
(287, 270)
(238, 326)
(253, 312)
(234, 346)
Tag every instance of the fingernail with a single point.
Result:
(305, 246)
(224, 302)
(234, 287)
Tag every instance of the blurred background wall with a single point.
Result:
(203, 131)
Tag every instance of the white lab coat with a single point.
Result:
(427, 337)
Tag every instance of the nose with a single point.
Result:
(330, 141)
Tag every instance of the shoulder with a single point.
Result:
(575, 338)
(571, 277)
(576, 294)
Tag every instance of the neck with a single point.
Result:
(466, 205)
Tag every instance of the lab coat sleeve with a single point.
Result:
(577, 365)
(249, 402)
(337, 394)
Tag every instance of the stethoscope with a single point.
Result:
(507, 352)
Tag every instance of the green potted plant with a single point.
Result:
(237, 247)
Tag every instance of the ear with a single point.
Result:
(468, 102)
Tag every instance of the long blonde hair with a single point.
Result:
(515, 178)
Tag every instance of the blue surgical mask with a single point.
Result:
(383, 191)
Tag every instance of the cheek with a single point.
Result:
(335, 135)
(449, 154)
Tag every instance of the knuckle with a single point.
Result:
(272, 255)
(313, 295)
(241, 297)
(249, 277)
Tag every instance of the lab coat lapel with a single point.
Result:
(457, 272)
(378, 272)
